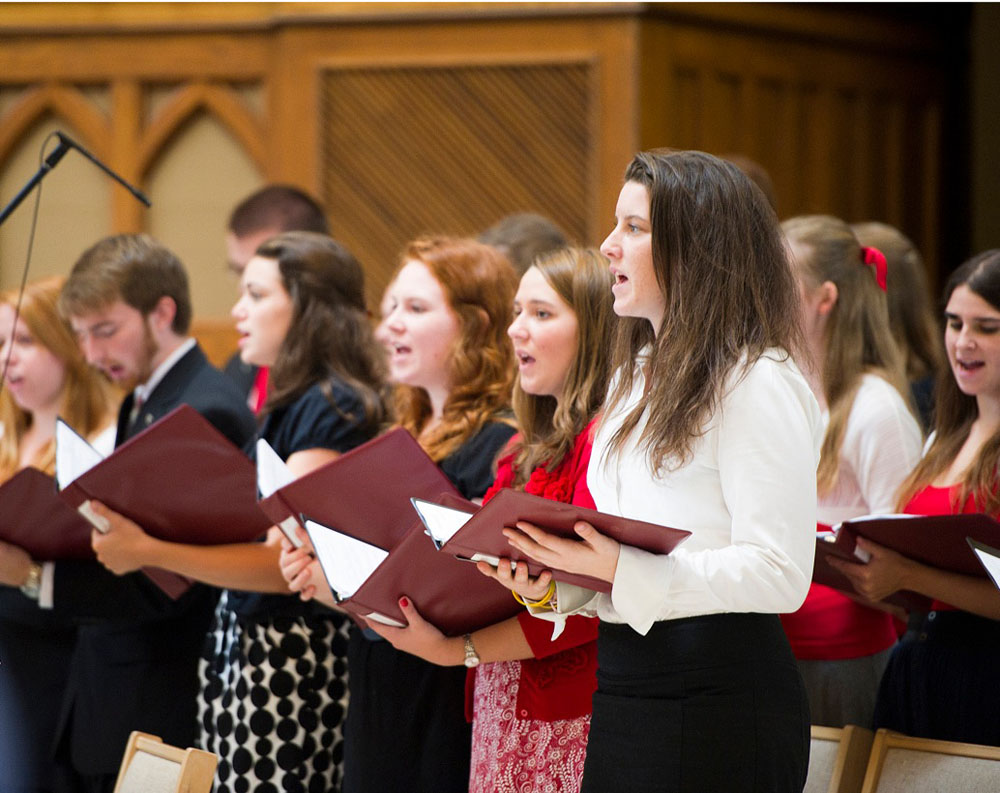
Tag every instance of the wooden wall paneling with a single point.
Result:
(126, 212)
(293, 89)
(723, 77)
(618, 125)
(840, 132)
(656, 90)
(856, 154)
(219, 101)
(61, 101)
(148, 56)
(818, 128)
(604, 44)
(452, 149)
(928, 236)
(892, 170)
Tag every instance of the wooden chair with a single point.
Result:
(151, 766)
(901, 764)
(838, 759)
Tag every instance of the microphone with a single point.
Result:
(66, 143)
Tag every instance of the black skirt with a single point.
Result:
(406, 728)
(941, 680)
(710, 703)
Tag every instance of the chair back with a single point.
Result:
(838, 759)
(151, 766)
(901, 764)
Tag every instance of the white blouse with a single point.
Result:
(748, 495)
(881, 447)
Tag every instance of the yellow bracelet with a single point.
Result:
(537, 603)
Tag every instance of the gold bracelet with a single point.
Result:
(537, 603)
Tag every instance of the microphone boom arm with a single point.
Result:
(50, 162)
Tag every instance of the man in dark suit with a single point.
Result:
(134, 666)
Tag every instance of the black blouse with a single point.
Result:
(310, 422)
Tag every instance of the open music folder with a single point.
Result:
(364, 493)
(368, 581)
(478, 536)
(181, 480)
(36, 519)
(370, 543)
(935, 540)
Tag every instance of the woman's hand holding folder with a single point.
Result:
(595, 555)
(515, 577)
(883, 574)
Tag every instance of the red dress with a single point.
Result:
(531, 718)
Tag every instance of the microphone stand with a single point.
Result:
(48, 164)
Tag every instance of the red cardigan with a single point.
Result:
(559, 682)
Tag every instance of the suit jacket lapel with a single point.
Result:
(167, 395)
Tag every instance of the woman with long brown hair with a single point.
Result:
(710, 427)
(940, 681)
(45, 377)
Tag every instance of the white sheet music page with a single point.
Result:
(74, 456)
(990, 562)
(272, 473)
(347, 562)
(441, 522)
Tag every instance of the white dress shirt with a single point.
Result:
(881, 446)
(748, 495)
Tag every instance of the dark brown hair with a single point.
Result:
(329, 333)
(523, 237)
(279, 207)
(729, 293)
(955, 412)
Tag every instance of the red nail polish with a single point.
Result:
(404, 603)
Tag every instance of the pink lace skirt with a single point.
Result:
(515, 755)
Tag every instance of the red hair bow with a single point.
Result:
(875, 258)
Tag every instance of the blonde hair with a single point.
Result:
(478, 283)
(550, 428)
(858, 339)
(87, 399)
(915, 326)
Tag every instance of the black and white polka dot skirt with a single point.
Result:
(273, 700)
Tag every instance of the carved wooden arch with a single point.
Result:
(218, 102)
(64, 102)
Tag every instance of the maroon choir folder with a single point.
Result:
(181, 480)
(482, 533)
(450, 594)
(935, 540)
(366, 492)
(37, 520)
(823, 573)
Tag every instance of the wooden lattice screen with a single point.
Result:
(415, 150)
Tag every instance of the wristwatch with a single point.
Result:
(471, 656)
(32, 585)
